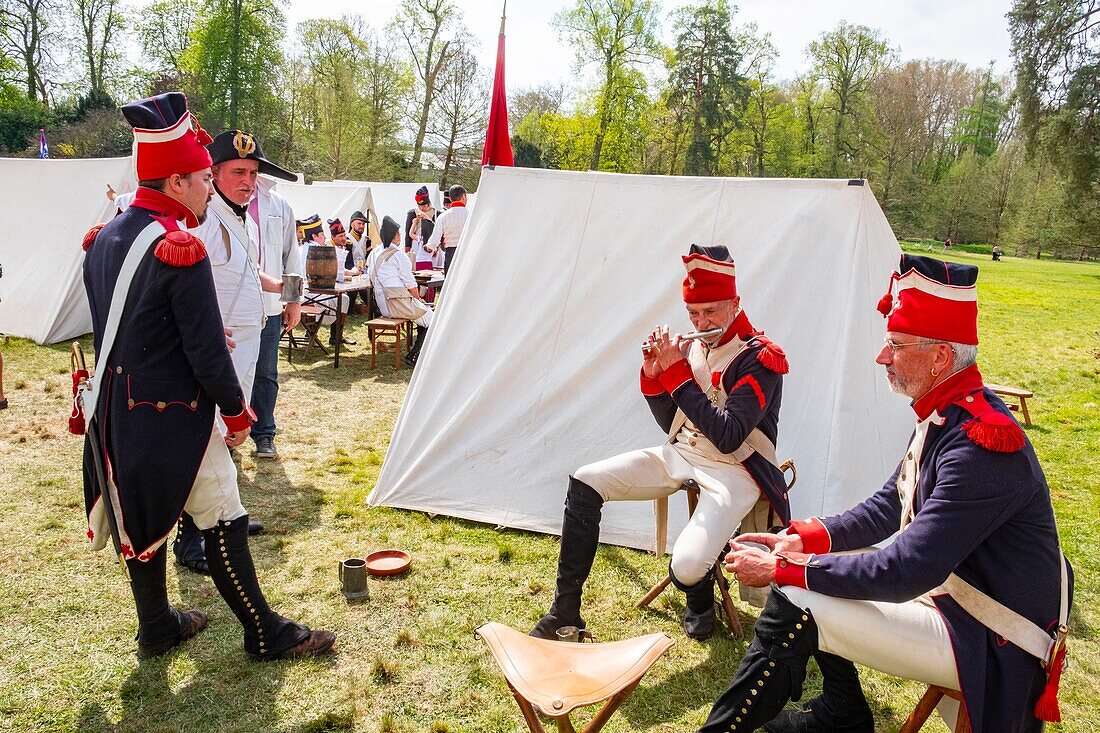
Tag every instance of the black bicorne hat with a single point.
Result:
(237, 145)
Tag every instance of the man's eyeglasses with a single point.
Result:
(893, 346)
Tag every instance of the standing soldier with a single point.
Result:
(243, 285)
(972, 593)
(163, 369)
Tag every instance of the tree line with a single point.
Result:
(951, 151)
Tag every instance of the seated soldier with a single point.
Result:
(718, 399)
(312, 232)
(395, 288)
(974, 526)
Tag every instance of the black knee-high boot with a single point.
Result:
(580, 536)
(160, 627)
(772, 670)
(189, 548)
(699, 605)
(840, 708)
(267, 635)
(414, 352)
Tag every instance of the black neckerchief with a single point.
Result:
(240, 211)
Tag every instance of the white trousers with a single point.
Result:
(214, 495)
(907, 640)
(727, 492)
(244, 356)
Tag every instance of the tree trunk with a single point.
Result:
(235, 65)
(605, 115)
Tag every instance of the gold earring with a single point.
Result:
(935, 373)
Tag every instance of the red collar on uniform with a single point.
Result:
(163, 205)
(741, 328)
(457, 204)
(954, 388)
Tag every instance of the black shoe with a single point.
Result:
(254, 527)
(804, 721)
(699, 626)
(580, 536)
(189, 547)
(343, 342)
(265, 448)
(191, 623)
(409, 359)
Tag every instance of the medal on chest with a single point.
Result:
(714, 394)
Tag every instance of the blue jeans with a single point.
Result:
(265, 390)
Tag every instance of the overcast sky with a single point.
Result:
(974, 31)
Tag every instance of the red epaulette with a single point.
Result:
(990, 428)
(771, 355)
(180, 249)
(90, 237)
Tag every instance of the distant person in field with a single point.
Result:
(996, 253)
(395, 288)
(947, 245)
(447, 234)
(419, 225)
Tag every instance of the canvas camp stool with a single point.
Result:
(311, 324)
(760, 515)
(556, 677)
(927, 704)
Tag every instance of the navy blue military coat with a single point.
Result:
(981, 510)
(168, 369)
(753, 382)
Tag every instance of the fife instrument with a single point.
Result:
(709, 333)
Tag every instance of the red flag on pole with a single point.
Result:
(498, 145)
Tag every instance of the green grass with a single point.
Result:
(407, 657)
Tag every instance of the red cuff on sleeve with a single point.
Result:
(236, 423)
(676, 376)
(790, 569)
(815, 538)
(651, 387)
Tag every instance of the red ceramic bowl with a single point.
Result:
(388, 562)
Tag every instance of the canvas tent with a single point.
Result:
(333, 201)
(390, 199)
(531, 364)
(48, 207)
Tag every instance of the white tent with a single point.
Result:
(329, 202)
(48, 206)
(391, 199)
(531, 364)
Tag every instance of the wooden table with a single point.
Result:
(319, 297)
(430, 279)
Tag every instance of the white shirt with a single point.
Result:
(277, 239)
(396, 272)
(448, 227)
(234, 253)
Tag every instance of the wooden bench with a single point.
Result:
(1020, 394)
(397, 327)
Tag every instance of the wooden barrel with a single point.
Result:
(321, 265)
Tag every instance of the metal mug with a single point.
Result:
(292, 288)
(353, 578)
(572, 633)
